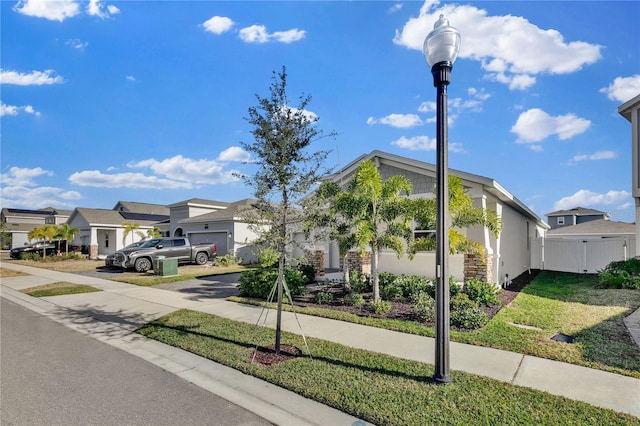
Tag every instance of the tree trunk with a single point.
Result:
(375, 282)
(346, 286)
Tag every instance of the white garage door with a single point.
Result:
(217, 238)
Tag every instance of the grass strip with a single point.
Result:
(375, 387)
(150, 278)
(9, 273)
(555, 303)
(58, 289)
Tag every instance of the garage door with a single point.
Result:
(217, 238)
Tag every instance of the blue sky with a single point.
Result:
(146, 101)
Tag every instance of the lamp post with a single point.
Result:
(441, 49)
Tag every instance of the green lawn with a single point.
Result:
(150, 279)
(377, 388)
(555, 303)
(58, 289)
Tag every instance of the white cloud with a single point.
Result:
(130, 78)
(76, 43)
(234, 153)
(20, 190)
(416, 143)
(13, 110)
(511, 49)
(535, 125)
(600, 155)
(58, 10)
(623, 88)
(536, 148)
(218, 24)
(395, 8)
(586, 198)
(97, 8)
(401, 121)
(428, 106)
(34, 78)
(179, 168)
(97, 179)
(259, 34)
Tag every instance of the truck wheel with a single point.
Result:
(143, 264)
(202, 258)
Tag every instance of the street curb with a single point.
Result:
(275, 404)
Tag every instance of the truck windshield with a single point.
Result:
(151, 243)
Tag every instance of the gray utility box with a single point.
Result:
(166, 266)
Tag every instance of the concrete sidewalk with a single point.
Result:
(111, 316)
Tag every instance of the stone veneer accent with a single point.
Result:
(362, 264)
(479, 267)
(317, 260)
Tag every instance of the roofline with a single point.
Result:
(625, 109)
(493, 186)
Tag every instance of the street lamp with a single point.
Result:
(441, 49)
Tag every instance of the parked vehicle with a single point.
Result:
(143, 257)
(108, 261)
(18, 252)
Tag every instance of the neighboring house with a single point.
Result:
(574, 216)
(223, 225)
(101, 230)
(508, 256)
(134, 207)
(631, 111)
(19, 222)
(188, 209)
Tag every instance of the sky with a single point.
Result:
(107, 101)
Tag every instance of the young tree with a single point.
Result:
(67, 233)
(463, 215)
(131, 228)
(285, 170)
(381, 214)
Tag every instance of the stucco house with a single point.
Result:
(508, 256)
(19, 222)
(631, 111)
(575, 216)
(222, 225)
(101, 230)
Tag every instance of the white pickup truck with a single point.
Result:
(143, 257)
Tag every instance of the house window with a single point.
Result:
(206, 226)
(106, 240)
(560, 221)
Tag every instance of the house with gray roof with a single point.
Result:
(508, 255)
(17, 223)
(574, 216)
(102, 230)
(630, 110)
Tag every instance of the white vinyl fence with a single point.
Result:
(581, 255)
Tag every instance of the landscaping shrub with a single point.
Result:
(482, 292)
(30, 256)
(228, 260)
(382, 307)
(413, 285)
(353, 299)
(621, 274)
(258, 283)
(461, 301)
(470, 318)
(390, 292)
(424, 307)
(324, 298)
(309, 272)
(360, 283)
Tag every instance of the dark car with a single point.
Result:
(49, 247)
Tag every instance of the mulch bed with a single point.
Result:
(266, 355)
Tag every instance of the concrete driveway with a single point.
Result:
(211, 287)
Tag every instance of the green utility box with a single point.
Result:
(166, 266)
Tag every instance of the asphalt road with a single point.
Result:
(52, 375)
